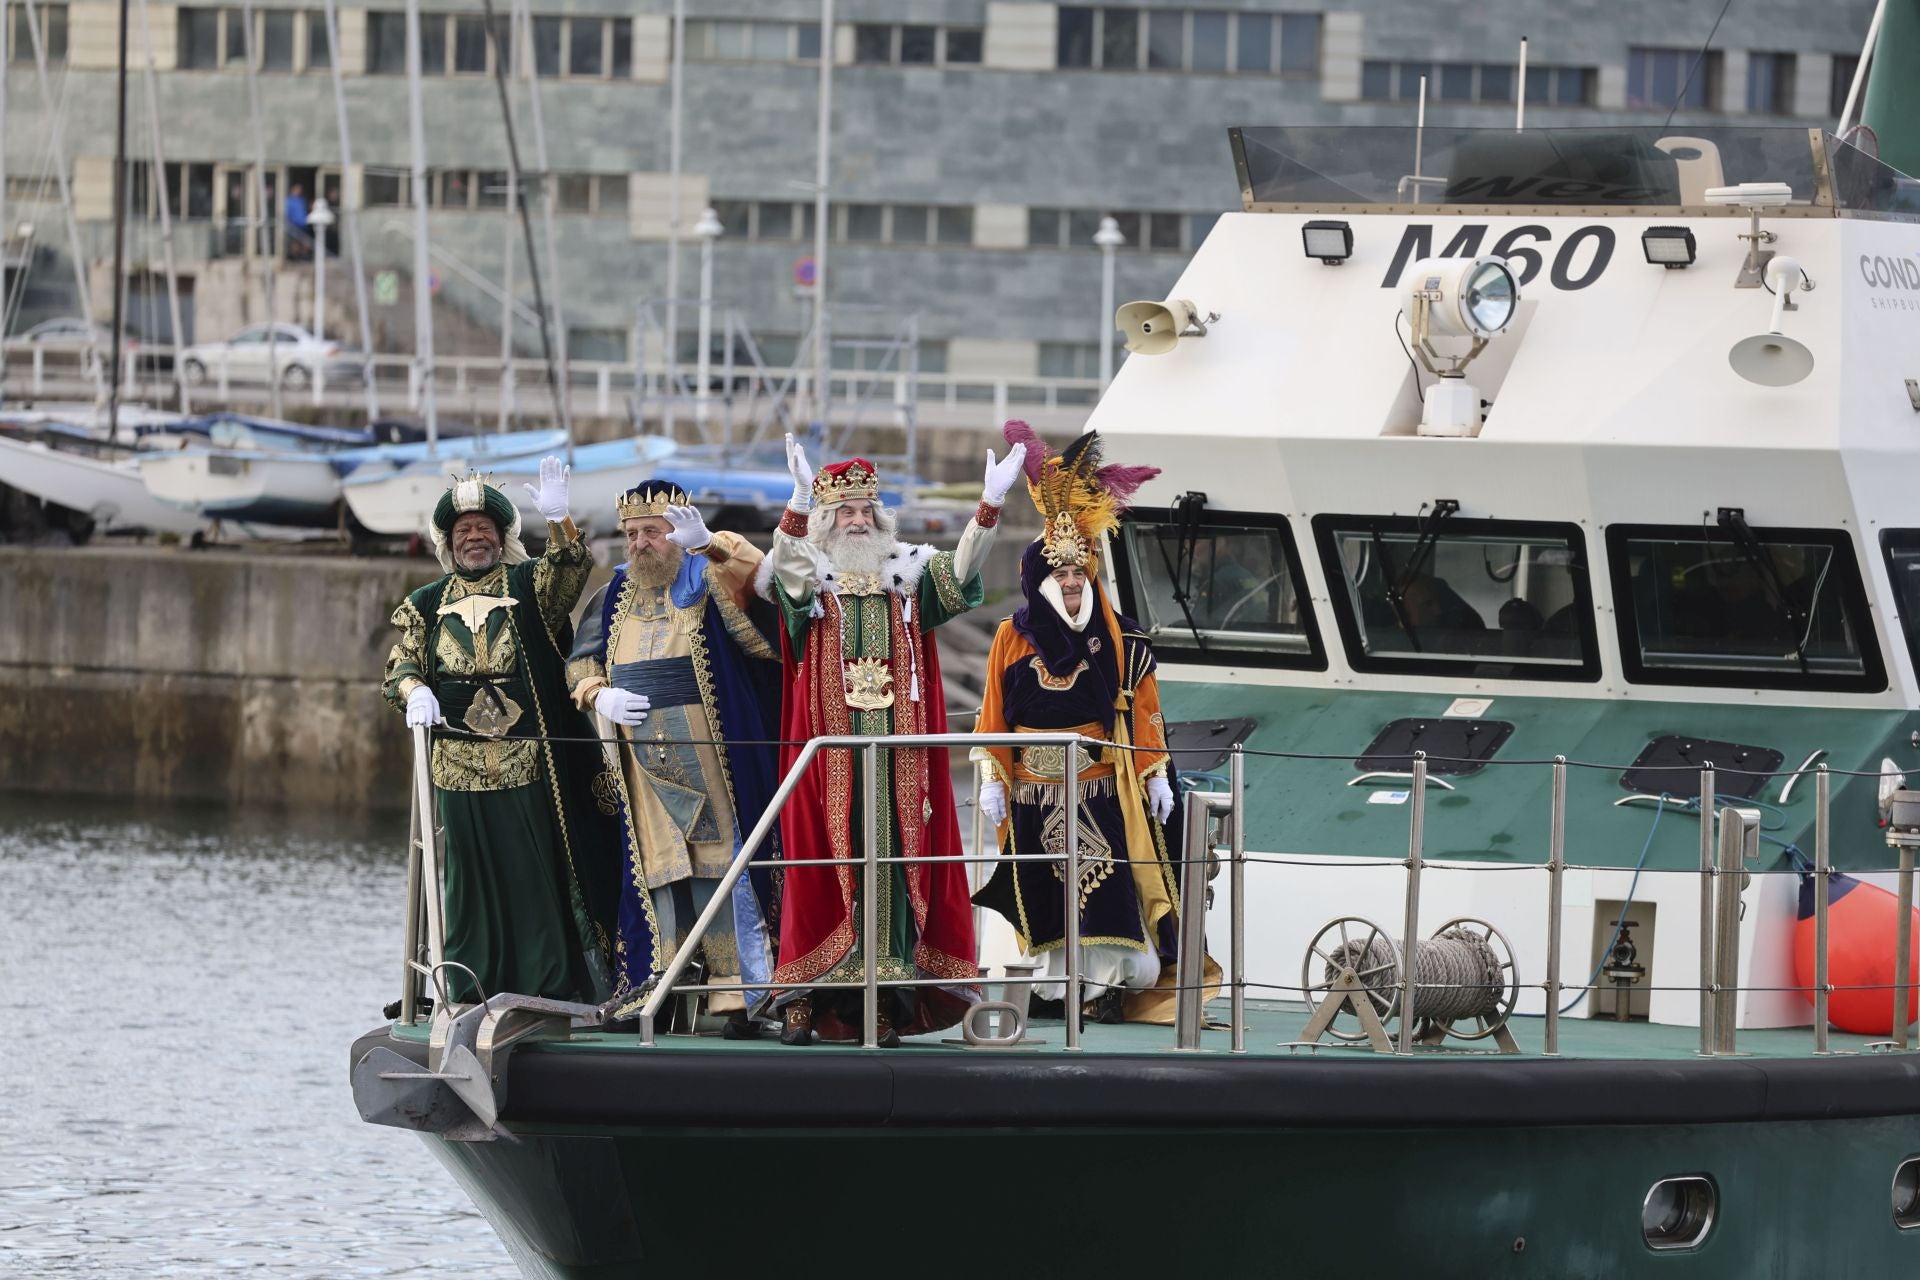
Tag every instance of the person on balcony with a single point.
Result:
(530, 881)
(1068, 662)
(859, 609)
(668, 653)
(299, 229)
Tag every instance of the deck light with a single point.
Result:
(1471, 298)
(1669, 247)
(1329, 241)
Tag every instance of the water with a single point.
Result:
(178, 991)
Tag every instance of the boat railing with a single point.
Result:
(1730, 834)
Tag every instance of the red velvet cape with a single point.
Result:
(818, 921)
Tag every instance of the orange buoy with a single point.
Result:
(1863, 923)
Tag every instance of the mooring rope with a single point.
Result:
(1458, 974)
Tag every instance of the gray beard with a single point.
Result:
(656, 571)
(857, 555)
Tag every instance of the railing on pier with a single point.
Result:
(1729, 838)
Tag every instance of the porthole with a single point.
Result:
(1906, 1194)
(1678, 1213)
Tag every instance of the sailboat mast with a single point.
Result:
(58, 129)
(152, 80)
(822, 348)
(675, 76)
(266, 206)
(119, 227)
(422, 274)
(526, 222)
(349, 213)
(553, 327)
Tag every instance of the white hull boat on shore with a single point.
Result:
(111, 493)
(403, 501)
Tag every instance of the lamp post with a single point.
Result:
(1108, 238)
(319, 218)
(708, 229)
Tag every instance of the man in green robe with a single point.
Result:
(529, 879)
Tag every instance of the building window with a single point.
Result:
(1845, 65)
(912, 45)
(548, 34)
(53, 32)
(1477, 82)
(319, 45)
(383, 189)
(583, 49)
(953, 224)
(276, 40)
(1667, 79)
(1204, 42)
(864, 222)
(962, 48)
(386, 44)
(1770, 83)
(737, 41)
(234, 54)
(283, 40)
(1071, 359)
(911, 223)
(606, 346)
(1145, 232)
(198, 39)
(188, 189)
(469, 46)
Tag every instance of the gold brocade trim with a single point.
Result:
(629, 829)
(1053, 683)
(1049, 792)
(580, 670)
(736, 621)
(945, 585)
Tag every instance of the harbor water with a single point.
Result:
(179, 988)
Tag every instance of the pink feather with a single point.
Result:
(1124, 481)
(1018, 432)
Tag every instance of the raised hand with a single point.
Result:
(802, 473)
(689, 530)
(622, 706)
(1002, 474)
(550, 499)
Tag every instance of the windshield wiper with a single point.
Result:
(1186, 524)
(1734, 521)
(1423, 549)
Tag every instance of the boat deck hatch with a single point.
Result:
(1198, 746)
(1456, 746)
(1672, 764)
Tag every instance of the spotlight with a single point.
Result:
(1331, 242)
(1471, 298)
(1669, 247)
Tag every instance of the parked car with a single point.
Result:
(71, 338)
(293, 355)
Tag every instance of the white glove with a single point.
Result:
(422, 707)
(689, 530)
(993, 801)
(802, 473)
(1159, 798)
(622, 706)
(550, 499)
(1002, 474)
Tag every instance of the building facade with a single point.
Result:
(976, 144)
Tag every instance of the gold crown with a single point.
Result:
(846, 482)
(651, 500)
(1062, 543)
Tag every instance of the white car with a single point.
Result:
(293, 355)
(72, 338)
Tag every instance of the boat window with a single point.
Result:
(1902, 550)
(1436, 593)
(1726, 604)
(1217, 586)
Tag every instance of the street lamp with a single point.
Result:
(708, 229)
(1108, 237)
(319, 218)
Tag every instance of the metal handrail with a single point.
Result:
(870, 744)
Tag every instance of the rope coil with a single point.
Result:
(1457, 975)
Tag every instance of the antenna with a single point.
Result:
(1520, 91)
(1860, 67)
(1419, 135)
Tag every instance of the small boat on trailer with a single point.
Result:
(1534, 577)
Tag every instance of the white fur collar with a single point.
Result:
(900, 572)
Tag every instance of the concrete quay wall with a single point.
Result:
(219, 676)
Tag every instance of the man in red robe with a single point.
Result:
(859, 609)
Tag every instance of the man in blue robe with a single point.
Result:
(668, 653)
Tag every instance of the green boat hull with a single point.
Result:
(1796, 1199)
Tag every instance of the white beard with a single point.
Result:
(849, 554)
(651, 572)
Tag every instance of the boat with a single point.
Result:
(401, 502)
(1536, 593)
(107, 491)
(302, 487)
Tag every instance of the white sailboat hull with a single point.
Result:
(232, 485)
(110, 493)
(402, 503)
